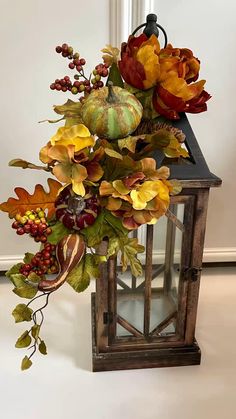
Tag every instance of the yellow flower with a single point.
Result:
(77, 135)
(148, 191)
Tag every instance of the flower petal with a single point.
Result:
(78, 188)
(106, 188)
(113, 204)
(43, 154)
(62, 172)
(59, 153)
(120, 187)
(94, 170)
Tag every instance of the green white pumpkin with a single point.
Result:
(112, 112)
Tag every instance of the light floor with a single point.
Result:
(62, 386)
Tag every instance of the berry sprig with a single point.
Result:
(43, 262)
(62, 84)
(82, 84)
(33, 223)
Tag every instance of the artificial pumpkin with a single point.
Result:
(74, 211)
(111, 112)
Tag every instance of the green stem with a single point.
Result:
(111, 98)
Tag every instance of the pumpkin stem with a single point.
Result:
(111, 98)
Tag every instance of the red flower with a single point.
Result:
(169, 105)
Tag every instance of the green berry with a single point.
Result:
(32, 217)
(74, 90)
(24, 220)
(97, 77)
(95, 72)
(28, 213)
(41, 214)
(81, 88)
(93, 81)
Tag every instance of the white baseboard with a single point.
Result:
(219, 254)
(7, 261)
(224, 254)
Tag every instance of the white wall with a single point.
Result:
(29, 32)
(208, 28)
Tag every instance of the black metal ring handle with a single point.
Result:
(159, 26)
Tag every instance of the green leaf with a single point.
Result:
(135, 266)
(114, 76)
(19, 163)
(28, 257)
(68, 109)
(42, 348)
(18, 280)
(24, 340)
(15, 269)
(176, 185)
(129, 143)
(92, 266)
(35, 331)
(160, 139)
(115, 223)
(52, 121)
(118, 169)
(113, 153)
(58, 232)
(129, 247)
(26, 363)
(33, 277)
(96, 232)
(24, 164)
(106, 225)
(79, 278)
(26, 291)
(22, 313)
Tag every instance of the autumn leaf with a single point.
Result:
(111, 54)
(25, 201)
(129, 247)
(24, 164)
(68, 109)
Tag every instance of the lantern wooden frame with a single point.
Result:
(151, 347)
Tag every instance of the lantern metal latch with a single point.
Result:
(194, 272)
(107, 317)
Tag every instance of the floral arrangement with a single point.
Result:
(106, 183)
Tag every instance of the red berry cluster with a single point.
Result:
(77, 63)
(84, 86)
(33, 223)
(62, 84)
(65, 50)
(42, 263)
(81, 86)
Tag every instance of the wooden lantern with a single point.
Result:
(150, 322)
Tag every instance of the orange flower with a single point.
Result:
(171, 71)
(139, 64)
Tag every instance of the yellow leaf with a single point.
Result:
(113, 153)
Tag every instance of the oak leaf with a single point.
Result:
(25, 201)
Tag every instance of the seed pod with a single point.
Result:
(69, 252)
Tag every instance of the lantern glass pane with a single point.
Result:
(163, 301)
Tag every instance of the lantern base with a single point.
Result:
(148, 358)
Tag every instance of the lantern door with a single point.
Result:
(151, 310)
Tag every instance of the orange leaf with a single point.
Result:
(39, 199)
